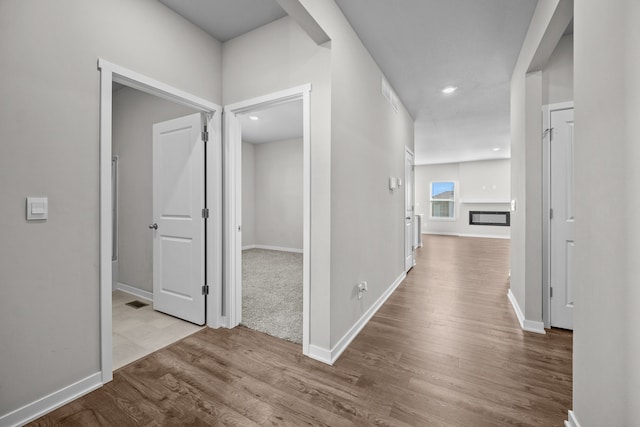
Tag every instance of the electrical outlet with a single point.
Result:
(362, 287)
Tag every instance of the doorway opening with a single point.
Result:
(272, 220)
(274, 229)
(211, 193)
(142, 293)
(558, 241)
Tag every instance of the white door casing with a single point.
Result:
(178, 200)
(233, 206)
(409, 235)
(562, 219)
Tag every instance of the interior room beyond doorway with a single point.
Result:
(138, 329)
(272, 218)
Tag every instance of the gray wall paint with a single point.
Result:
(547, 25)
(557, 76)
(49, 127)
(278, 192)
(272, 194)
(606, 372)
(368, 140)
(275, 57)
(488, 180)
(248, 194)
(134, 114)
(357, 142)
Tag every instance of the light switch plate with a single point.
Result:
(513, 206)
(37, 208)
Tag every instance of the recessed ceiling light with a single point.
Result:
(496, 149)
(449, 89)
(254, 118)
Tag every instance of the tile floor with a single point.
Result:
(138, 332)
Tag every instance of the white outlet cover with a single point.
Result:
(392, 183)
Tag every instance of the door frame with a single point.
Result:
(407, 153)
(233, 203)
(546, 206)
(110, 73)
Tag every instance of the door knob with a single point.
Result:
(153, 226)
(408, 217)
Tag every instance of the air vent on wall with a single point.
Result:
(389, 94)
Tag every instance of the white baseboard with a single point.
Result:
(572, 421)
(330, 356)
(272, 248)
(484, 236)
(526, 325)
(320, 354)
(135, 291)
(440, 233)
(53, 401)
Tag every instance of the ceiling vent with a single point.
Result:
(389, 94)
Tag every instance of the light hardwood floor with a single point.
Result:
(445, 349)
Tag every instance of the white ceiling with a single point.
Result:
(226, 19)
(421, 46)
(276, 123)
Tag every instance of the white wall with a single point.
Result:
(49, 114)
(368, 140)
(482, 181)
(248, 194)
(606, 372)
(134, 114)
(272, 203)
(357, 224)
(279, 56)
(557, 75)
(279, 220)
(548, 23)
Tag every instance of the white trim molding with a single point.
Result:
(320, 354)
(273, 248)
(526, 325)
(140, 293)
(330, 356)
(546, 206)
(483, 236)
(572, 420)
(233, 202)
(110, 73)
(42, 406)
(486, 236)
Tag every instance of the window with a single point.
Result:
(443, 198)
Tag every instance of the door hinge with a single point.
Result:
(205, 289)
(551, 213)
(205, 213)
(205, 136)
(550, 292)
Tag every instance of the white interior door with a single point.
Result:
(562, 219)
(178, 226)
(409, 235)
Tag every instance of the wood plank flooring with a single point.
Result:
(445, 350)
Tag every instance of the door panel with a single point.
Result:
(178, 199)
(562, 223)
(409, 236)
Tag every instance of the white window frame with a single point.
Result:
(431, 200)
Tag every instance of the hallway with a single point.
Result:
(445, 349)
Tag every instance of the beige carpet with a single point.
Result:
(272, 293)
